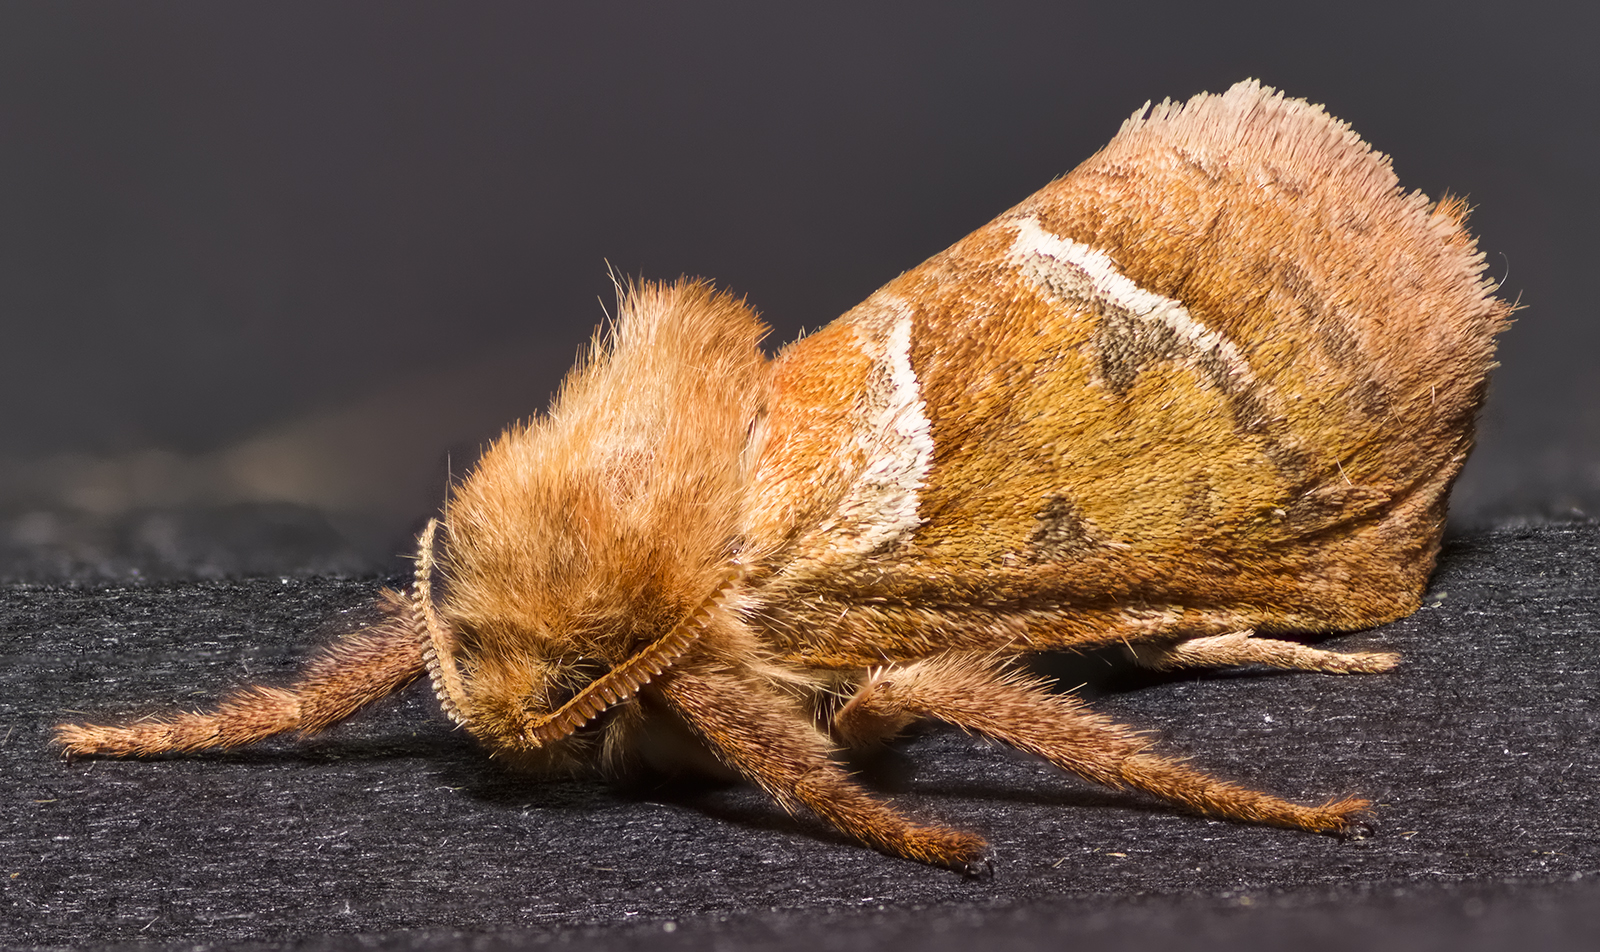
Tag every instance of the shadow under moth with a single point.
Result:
(1209, 388)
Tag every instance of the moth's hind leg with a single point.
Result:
(972, 693)
(337, 682)
(1243, 647)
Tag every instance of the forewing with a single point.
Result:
(1219, 376)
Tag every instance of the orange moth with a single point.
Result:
(1209, 388)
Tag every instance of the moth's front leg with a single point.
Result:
(759, 734)
(971, 692)
(339, 680)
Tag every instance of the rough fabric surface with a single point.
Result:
(1483, 751)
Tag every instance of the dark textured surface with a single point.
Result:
(1482, 751)
(1403, 918)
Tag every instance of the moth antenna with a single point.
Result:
(440, 653)
(629, 678)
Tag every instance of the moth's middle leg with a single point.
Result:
(974, 693)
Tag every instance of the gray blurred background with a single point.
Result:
(269, 272)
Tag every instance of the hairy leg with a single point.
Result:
(337, 682)
(763, 737)
(971, 692)
(1243, 647)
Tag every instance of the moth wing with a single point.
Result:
(1220, 376)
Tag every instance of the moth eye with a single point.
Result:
(571, 675)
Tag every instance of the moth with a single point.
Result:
(1209, 389)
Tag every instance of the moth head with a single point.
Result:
(587, 549)
(535, 702)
